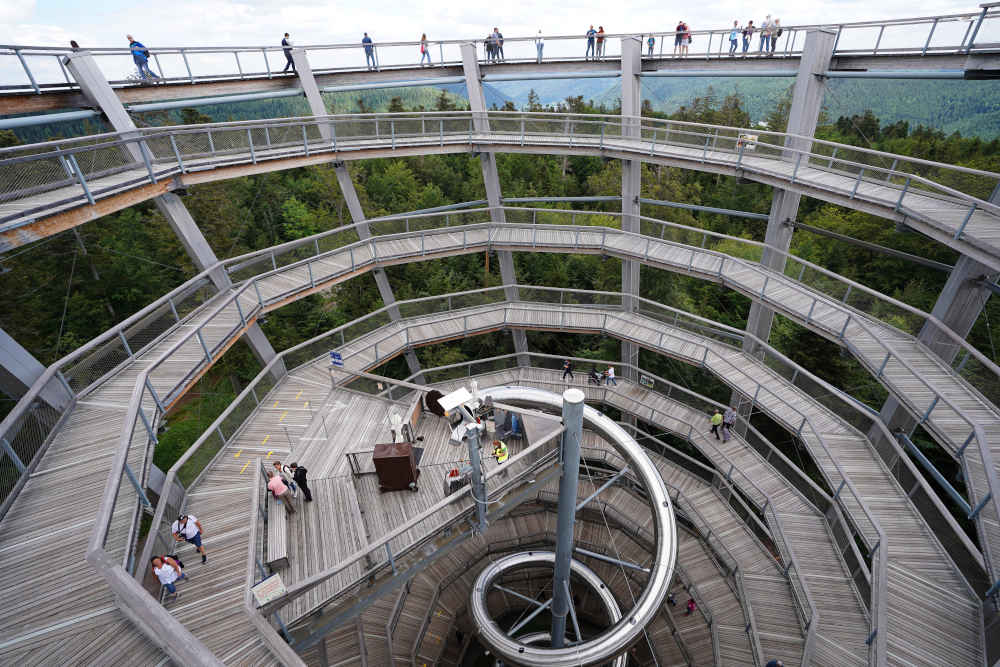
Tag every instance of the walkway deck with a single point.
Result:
(948, 219)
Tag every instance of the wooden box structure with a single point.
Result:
(396, 466)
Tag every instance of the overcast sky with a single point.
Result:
(250, 22)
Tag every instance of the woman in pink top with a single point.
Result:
(276, 486)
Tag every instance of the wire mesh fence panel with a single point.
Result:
(81, 373)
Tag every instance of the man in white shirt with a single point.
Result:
(610, 374)
(187, 528)
(168, 571)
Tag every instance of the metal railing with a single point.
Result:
(90, 168)
(268, 260)
(40, 69)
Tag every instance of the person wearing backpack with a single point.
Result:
(747, 36)
(299, 475)
(425, 51)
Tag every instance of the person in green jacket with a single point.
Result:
(716, 423)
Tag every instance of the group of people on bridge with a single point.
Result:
(769, 32)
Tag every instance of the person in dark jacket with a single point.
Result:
(286, 44)
(299, 475)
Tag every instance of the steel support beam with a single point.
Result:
(308, 82)
(807, 100)
(491, 180)
(631, 185)
(96, 89)
(572, 413)
(381, 279)
(19, 370)
(960, 303)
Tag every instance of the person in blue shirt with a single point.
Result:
(140, 55)
(734, 37)
(369, 51)
(591, 34)
(651, 42)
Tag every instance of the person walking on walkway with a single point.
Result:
(650, 43)
(610, 376)
(140, 56)
(747, 36)
(774, 663)
(594, 377)
(679, 33)
(765, 36)
(716, 423)
(600, 42)
(299, 475)
(425, 50)
(499, 42)
(168, 571)
(591, 35)
(728, 422)
(691, 606)
(187, 528)
(286, 45)
(567, 369)
(276, 486)
(539, 45)
(734, 36)
(369, 47)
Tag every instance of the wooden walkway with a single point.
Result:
(938, 216)
(914, 552)
(53, 513)
(917, 383)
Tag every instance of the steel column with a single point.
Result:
(572, 414)
(491, 180)
(631, 185)
(807, 99)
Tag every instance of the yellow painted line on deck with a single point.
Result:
(298, 394)
(306, 404)
(275, 404)
(237, 454)
(264, 441)
(283, 415)
(244, 467)
(270, 451)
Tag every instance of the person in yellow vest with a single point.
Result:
(716, 423)
(500, 452)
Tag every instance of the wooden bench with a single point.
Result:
(277, 534)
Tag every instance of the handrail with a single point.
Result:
(169, 155)
(919, 44)
(247, 285)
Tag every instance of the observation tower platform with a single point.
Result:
(857, 552)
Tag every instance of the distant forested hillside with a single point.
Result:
(969, 107)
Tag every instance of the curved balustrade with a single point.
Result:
(947, 202)
(39, 69)
(238, 309)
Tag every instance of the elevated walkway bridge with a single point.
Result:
(945, 46)
(48, 188)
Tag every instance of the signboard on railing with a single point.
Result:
(646, 381)
(336, 359)
(269, 589)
